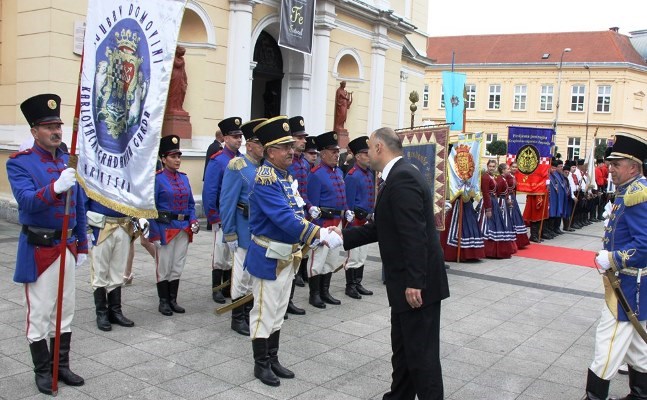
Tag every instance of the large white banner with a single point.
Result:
(128, 57)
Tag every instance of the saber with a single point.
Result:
(222, 285)
(235, 304)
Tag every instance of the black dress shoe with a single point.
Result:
(292, 309)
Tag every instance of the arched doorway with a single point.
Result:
(268, 74)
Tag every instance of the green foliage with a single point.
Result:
(599, 150)
(497, 147)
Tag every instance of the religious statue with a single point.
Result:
(343, 100)
(179, 83)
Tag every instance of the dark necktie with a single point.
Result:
(381, 186)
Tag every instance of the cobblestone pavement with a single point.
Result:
(512, 329)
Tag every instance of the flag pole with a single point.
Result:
(72, 163)
(460, 227)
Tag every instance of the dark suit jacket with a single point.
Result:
(211, 150)
(405, 230)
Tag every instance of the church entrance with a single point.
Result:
(268, 74)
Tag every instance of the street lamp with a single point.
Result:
(559, 87)
(588, 104)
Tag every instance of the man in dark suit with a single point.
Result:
(416, 280)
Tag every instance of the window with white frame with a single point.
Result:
(425, 97)
(546, 98)
(470, 96)
(442, 97)
(604, 99)
(573, 148)
(577, 97)
(520, 97)
(494, 98)
(489, 138)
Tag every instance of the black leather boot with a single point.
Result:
(534, 232)
(314, 282)
(248, 307)
(567, 225)
(637, 385)
(172, 291)
(226, 276)
(359, 275)
(556, 222)
(238, 322)
(65, 375)
(101, 305)
(351, 291)
(41, 358)
(293, 309)
(115, 314)
(162, 293)
(303, 269)
(262, 368)
(216, 279)
(272, 351)
(325, 290)
(596, 387)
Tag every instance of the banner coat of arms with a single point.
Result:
(128, 55)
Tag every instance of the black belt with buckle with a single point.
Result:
(330, 213)
(360, 213)
(165, 217)
(244, 208)
(43, 236)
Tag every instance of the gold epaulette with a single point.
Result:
(265, 175)
(636, 194)
(236, 164)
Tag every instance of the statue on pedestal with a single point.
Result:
(179, 83)
(343, 100)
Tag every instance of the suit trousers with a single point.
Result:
(415, 340)
(241, 280)
(108, 260)
(221, 257)
(40, 300)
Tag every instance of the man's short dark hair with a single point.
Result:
(390, 139)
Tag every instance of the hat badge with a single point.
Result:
(334, 136)
(237, 121)
(301, 122)
(51, 104)
(174, 140)
(286, 127)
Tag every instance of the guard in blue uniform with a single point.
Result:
(360, 198)
(299, 169)
(310, 153)
(625, 252)
(221, 257)
(40, 178)
(234, 214)
(175, 225)
(556, 198)
(327, 193)
(279, 229)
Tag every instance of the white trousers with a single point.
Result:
(357, 257)
(221, 257)
(108, 260)
(270, 303)
(616, 343)
(40, 300)
(171, 257)
(241, 280)
(323, 260)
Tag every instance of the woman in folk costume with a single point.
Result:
(498, 242)
(175, 225)
(505, 203)
(520, 229)
(461, 221)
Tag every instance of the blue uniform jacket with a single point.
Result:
(626, 240)
(212, 183)
(326, 188)
(556, 193)
(32, 174)
(274, 214)
(237, 181)
(300, 169)
(172, 194)
(360, 190)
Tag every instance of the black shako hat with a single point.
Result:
(42, 109)
(628, 145)
(554, 163)
(298, 126)
(248, 128)
(274, 131)
(580, 161)
(169, 144)
(230, 126)
(327, 140)
(310, 143)
(358, 145)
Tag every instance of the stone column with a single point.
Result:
(403, 100)
(320, 61)
(378, 75)
(238, 87)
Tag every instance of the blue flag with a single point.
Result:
(453, 88)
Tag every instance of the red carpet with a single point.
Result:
(558, 254)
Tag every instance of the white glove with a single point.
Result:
(448, 206)
(603, 259)
(350, 216)
(81, 258)
(90, 237)
(607, 210)
(65, 181)
(144, 225)
(315, 212)
(547, 182)
(157, 244)
(330, 238)
(195, 227)
(232, 245)
(297, 195)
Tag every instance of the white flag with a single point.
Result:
(128, 57)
